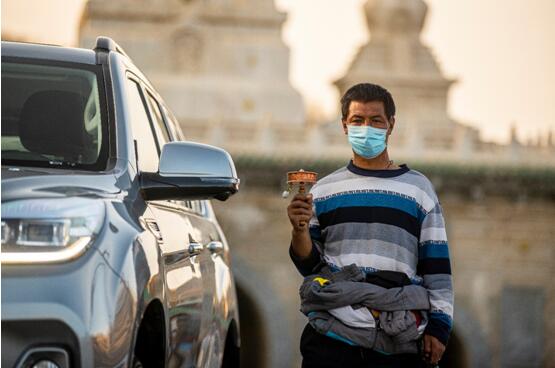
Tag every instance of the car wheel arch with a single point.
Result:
(151, 335)
(231, 358)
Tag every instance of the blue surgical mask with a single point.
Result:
(367, 141)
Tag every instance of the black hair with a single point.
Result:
(366, 92)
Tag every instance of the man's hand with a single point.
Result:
(300, 212)
(433, 349)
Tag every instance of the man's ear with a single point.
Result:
(344, 123)
(391, 125)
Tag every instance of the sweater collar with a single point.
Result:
(403, 168)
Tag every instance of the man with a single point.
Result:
(381, 217)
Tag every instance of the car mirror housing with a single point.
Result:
(191, 170)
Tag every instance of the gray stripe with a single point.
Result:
(436, 209)
(372, 246)
(363, 231)
(438, 281)
(419, 180)
(413, 177)
(445, 295)
(433, 220)
(338, 175)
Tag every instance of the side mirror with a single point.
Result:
(191, 171)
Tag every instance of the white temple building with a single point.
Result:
(223, 68)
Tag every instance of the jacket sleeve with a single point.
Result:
(435, 268)
(313, 262)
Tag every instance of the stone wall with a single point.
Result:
(501, 228)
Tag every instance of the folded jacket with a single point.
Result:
(332, 299)
(346, 287)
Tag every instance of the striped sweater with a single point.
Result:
(384, 220)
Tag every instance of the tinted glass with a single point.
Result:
(173, 124)
(53, 115)
(159, 125)
(142, 131)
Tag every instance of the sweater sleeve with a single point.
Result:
(313, 262)
(435, 268)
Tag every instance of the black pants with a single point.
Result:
(320, 351)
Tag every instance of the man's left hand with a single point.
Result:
(433, 349)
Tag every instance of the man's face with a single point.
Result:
(370, 113)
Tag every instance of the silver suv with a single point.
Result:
(111, 253)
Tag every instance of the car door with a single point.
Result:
(217, 279)
(214, 282)
(182, 267)
(202, 234)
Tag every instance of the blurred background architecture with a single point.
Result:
(224, 69)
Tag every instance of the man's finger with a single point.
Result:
(437, 350)
(303, 197)
(300, 204)
(427, 347)
(301, 211)
(302, 218)
(436, 355)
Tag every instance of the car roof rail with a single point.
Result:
(104, 43)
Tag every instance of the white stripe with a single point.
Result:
(440, 304)
(371, 260)
(314, 220)
(370, 183)
(433, 233)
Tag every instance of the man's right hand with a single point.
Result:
(300, 212)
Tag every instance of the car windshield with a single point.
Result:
(53, 115)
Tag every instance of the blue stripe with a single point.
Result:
(370, 200)
(433, 250)
(442, 317)
(337, 337)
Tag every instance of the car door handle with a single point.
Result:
(195, 248)
(215, 247)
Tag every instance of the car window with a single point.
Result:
(159, 125)
(173, 124)
(147, 151)
(195, 206)
(53, 115)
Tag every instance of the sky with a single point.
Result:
(502, 53)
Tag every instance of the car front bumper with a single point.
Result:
(81, 309)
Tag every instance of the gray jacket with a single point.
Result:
(396, 330)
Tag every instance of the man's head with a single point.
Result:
(368, 104)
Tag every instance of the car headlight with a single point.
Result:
(49, 230)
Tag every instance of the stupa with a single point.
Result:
(396, 59)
